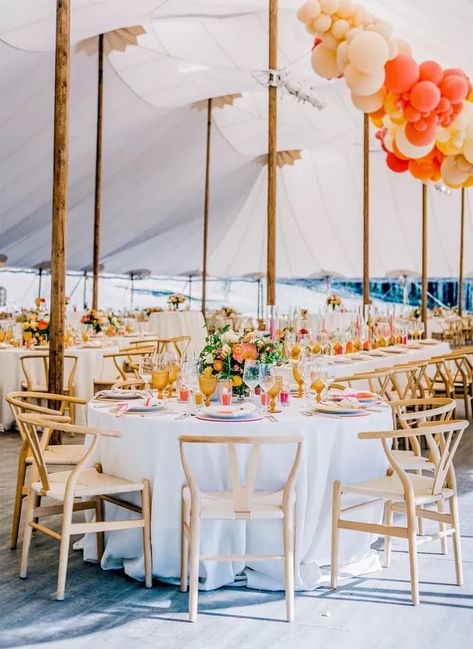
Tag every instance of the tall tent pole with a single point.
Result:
(366, 210)
(85, 289)
(424, 257)
(40, 273)
(272, 156)
(60, 196)
(98, 177)
(462, 252)
(206, 206)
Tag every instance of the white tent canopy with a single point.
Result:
(154, 143)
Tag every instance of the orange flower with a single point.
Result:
(218, 366)
(249, 351)
(237, 350)
(42, 325)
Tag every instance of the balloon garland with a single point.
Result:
(424, 113)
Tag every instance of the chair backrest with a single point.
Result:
(414, 412)
(20, 403)
(38, 363)
(242, 493)
(179, 344)
(443, 439)
(129, 384)
(127, 361)
(378, 381)
(31, 424)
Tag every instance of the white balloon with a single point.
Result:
(346, 8)
(329, 6)
(309, 10)
(342, 55)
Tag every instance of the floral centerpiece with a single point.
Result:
(35, 330)
(416, 313)
(40, 303)
(227, 311)
(148, 311)
(334, 301)
(115, 322)
(175, 301)
(95, 319)
(225, 353)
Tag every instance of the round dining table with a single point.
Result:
(149, 448)
(170, 324)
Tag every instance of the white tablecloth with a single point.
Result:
(149, 449)
(90, 366)
(169, 324)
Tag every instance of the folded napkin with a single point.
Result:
(120, 394)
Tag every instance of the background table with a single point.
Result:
(170, 324)
(332, 450)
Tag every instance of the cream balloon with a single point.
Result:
(468, 150)
(369, 103)
(393, 49)
(329, 6)
(322, 24)
(368, 52)
(324, 62)
(342, 55)
(361, 83)
(309, 11)
(450, 172)
(351, 33)
(383, 28)
(462, 164)
(346, 8)
(403, 47)
(410, 150)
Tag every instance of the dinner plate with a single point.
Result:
(343, 411)
(254, 417)
(429, 341)
(393, 350)
(230, 413)
(154, 406)
(343, 359)
(360, 356)
(377, 352)
(362, 397)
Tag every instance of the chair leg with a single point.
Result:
(146, 508)
(336, 497)
(412, 539)
(99, 517)
(37, 504)
(64, 549)
(388, 520)
(288, 532)
(27, 533)
(194, 564)
(442, 528)
(18, 502)
(184, 546)
(453, 504)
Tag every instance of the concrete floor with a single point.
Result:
(109, 610)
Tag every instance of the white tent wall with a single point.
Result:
(154, 143)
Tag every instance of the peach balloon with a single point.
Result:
(329, 6)
(322, 24)
(309, 11)
(463, 164)
(361, 83)
(368, 52)
(431, 71)
(407, 148)
(330, 42)
(342, 55)
(451, 174)
(346, 8)
(324, 62)
(393, 49)
(421, 137)
(369, 103)
(340, 27)
(468, 150)
(455, 88)
(412, 115)
(401, 73)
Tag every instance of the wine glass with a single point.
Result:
(271, 384)
(173, 369)
(420, 329)
(312, 371)
(145, 369)
(251, 374)
(207, 384)
(299, 379)
(327, 374)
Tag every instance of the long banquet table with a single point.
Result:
(148, 448)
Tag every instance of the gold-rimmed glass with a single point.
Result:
(173, 369)
(299, 379)
(160, 377)
(207, 385)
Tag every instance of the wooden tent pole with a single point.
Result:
(60, 197)
(272, 156)
(424, 257)
(40, 273)
(98, 177)
(462, 252)
(366, 210)
(206, 207)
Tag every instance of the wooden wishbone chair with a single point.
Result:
(57, 454)
(129, 384)
(179, 344)
(80, 489)
(406, 493)
(241, 501)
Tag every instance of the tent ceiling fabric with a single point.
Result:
(154, 143)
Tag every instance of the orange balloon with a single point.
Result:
(397, 153)
(423, 137)
(378, 114)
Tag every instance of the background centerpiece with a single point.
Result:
(226, 351)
